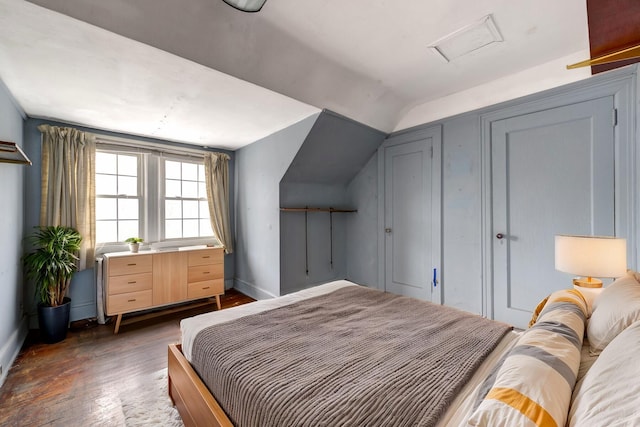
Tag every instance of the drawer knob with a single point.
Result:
(131, 283)
(131, 300)
(206, 287)
(132, 264)
(206, 272)
(205, 257)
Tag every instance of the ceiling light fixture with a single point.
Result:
(467, 39)
(246, 5)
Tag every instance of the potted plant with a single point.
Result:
(134, 243)
(51, 265)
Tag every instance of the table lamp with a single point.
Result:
(593, 257)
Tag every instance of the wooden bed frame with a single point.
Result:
(194, 401)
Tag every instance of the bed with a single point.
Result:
(247, 358)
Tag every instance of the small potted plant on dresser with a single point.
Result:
(134, 244)
(51, 265)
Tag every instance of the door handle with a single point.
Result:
(499, 236)
(387, 230)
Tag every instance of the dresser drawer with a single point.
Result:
(206, 256)
(130, 283)
(119, 266)
(131, 301)
(204, 289)
(200, 273)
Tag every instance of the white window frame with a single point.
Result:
(140, 190)
(151, 187)
(162, 194)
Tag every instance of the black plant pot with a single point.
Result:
(54, 321)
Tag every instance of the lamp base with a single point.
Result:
(590, 288)
(588, 282)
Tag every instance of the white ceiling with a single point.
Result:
(201, 72)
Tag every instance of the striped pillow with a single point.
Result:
(537, 310)
(532, 385)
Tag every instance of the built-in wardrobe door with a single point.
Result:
(552, 172)
(412, 224)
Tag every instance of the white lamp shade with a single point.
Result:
(591, 256)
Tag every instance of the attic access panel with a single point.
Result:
(468, 39)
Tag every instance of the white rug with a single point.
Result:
(147, 403)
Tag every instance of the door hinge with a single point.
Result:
(614, 117)
(431, 150)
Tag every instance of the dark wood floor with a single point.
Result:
(76, 382)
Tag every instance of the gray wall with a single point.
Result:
(362, 227)
(461, 214)
(83, 287)
(13, 326)
(333, 153)
(319, 242)
(461, 208)
(462, 196)
(259, 170)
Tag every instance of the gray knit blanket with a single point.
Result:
(353, 357)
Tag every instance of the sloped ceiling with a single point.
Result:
(174, 66)
(335, 150)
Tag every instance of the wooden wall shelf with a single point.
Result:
(11, 153)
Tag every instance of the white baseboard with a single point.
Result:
(252, 290)
(12, 347)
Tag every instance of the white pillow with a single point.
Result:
(617, 307)
(608, 393)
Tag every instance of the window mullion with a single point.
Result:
(153, 198)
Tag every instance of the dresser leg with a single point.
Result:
(218, 302)
(118, 320)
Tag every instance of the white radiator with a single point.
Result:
(99, 292)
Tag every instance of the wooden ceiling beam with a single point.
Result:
(614, 29)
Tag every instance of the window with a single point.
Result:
(186, 210)
(145, 193)
(118, 197)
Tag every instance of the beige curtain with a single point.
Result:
(216, 169)
(68, 185)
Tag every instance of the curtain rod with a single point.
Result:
(306, 209)
(152, 146)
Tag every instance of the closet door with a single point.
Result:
(552, 173)
(412, 215)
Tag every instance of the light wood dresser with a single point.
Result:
(140, 281)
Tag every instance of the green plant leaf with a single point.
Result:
(53, 261)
